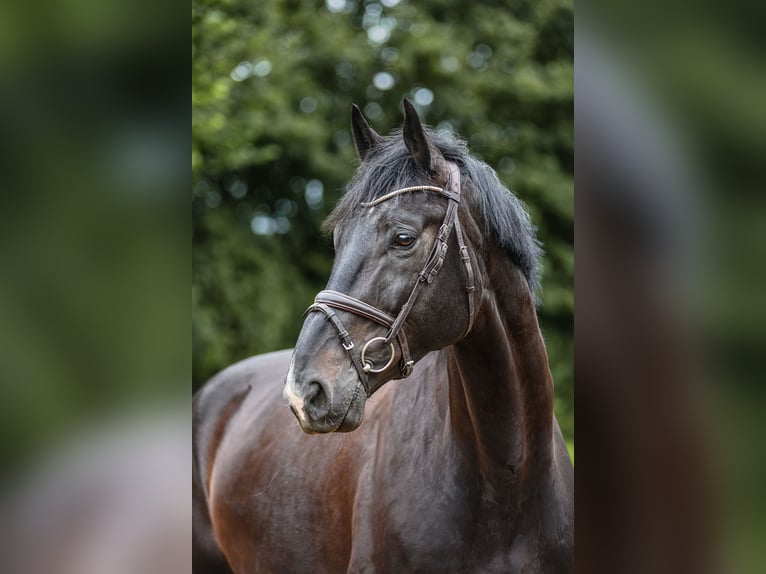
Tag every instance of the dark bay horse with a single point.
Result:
(461, 466)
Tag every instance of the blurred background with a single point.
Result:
(671, 326)
(272, 88)
(95, 360)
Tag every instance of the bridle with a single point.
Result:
(328, 300)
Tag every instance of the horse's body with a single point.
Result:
(459, 468)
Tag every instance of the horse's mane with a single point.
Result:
(389, 166)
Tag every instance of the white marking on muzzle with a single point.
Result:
(290, 394)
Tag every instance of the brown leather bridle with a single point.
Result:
(328, 300)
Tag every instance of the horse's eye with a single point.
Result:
(404, 240)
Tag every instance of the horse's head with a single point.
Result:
(403, 282)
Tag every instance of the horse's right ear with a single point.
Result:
(365, 138)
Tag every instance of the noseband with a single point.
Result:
(328, 300)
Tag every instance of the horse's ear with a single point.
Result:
(415, 137)
(365, 138)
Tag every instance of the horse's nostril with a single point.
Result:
(316, 396)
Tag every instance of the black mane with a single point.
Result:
(389, 166)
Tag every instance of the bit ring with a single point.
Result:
(368, 366)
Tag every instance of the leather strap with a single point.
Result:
(352, 304)
(470, 286)
(344, 302)
(346, 341)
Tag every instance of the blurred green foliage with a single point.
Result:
(272, 87)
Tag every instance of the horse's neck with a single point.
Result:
(501, 390)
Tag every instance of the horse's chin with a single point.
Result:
(354, 415)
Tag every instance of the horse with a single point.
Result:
(457, 466)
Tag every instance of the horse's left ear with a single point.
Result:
(365, 138)
(415, 137)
